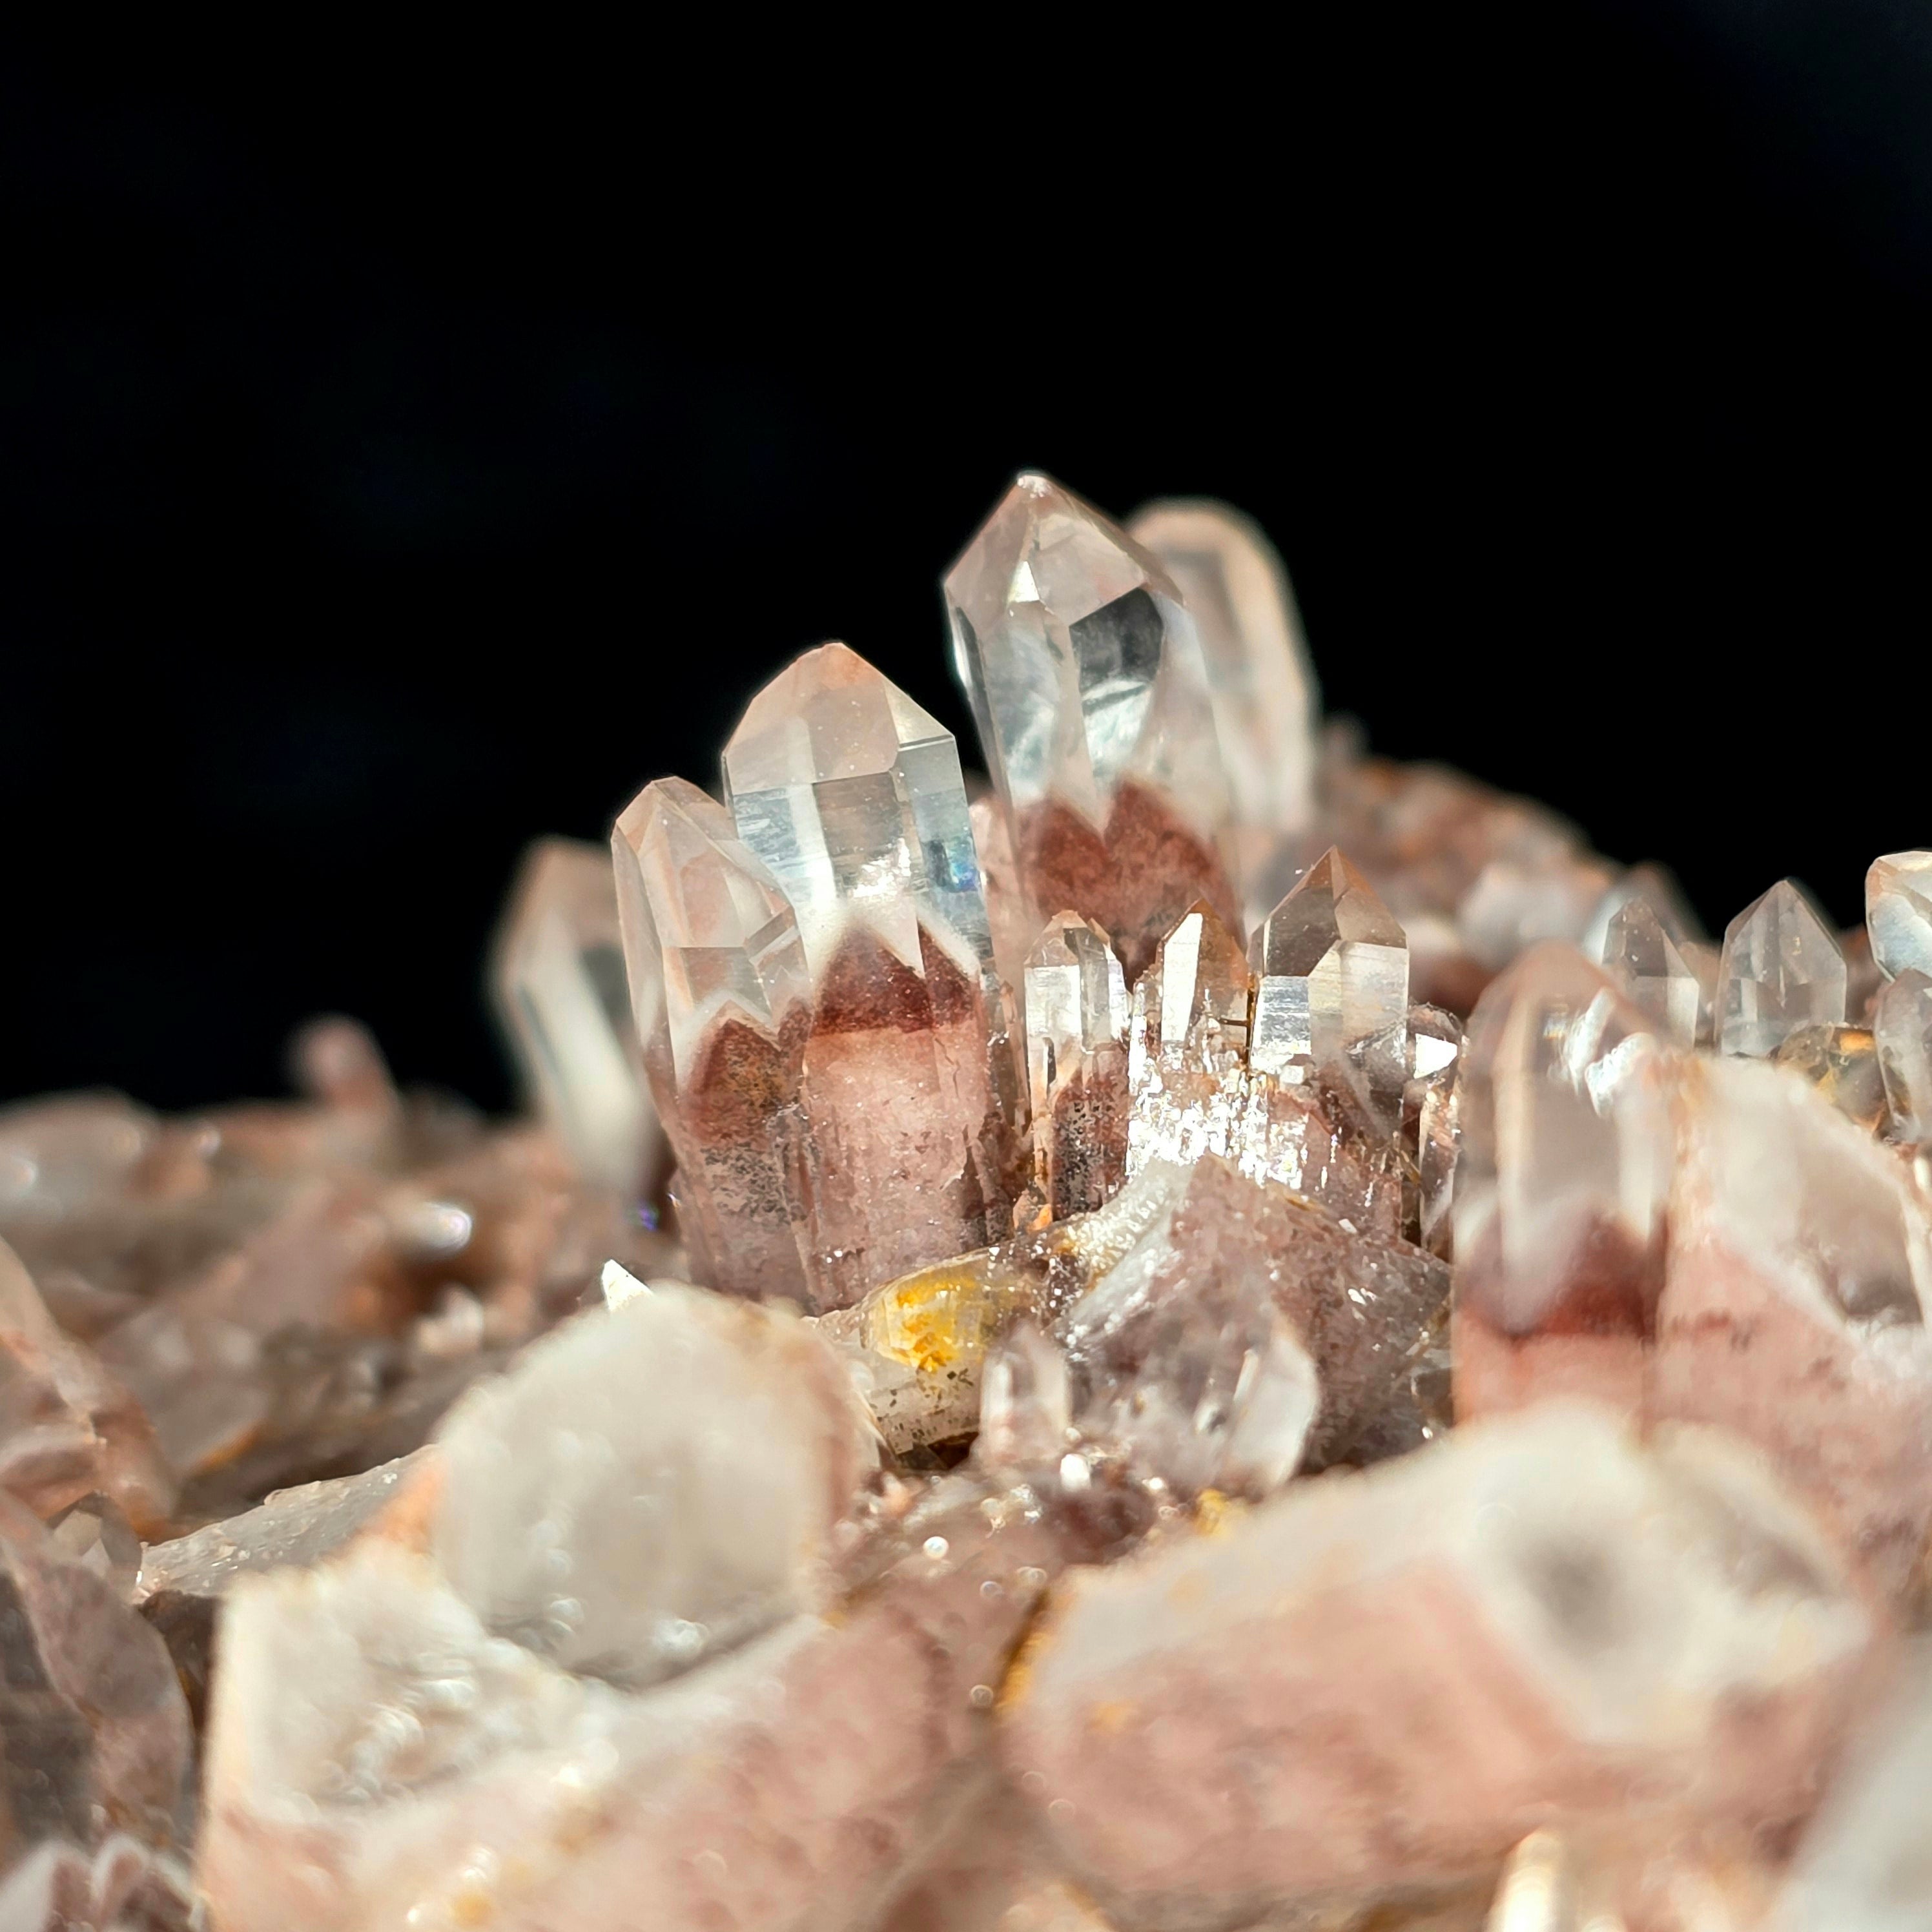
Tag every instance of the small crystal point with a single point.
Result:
(1259, 672)
(1640, 953)
(1898, 911)
(1781, 970)
(1199, 974)
(1088, 683)
(1076, 1023)
(1656, 887)
(720, 989)
(1333, 966)
(1902, 1030)
(558, 977)
(1024, 1403)
(94, 1533)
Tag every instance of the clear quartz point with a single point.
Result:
(720, 991)
(1653, 884)
(1902, 1031)
(1898, 911)
(1076, 1027)
(1266, 702)
(1024, 1403)
(1640, 953)
(852, 797)
(1781, 970)
(1332, 967)
(1199, 974)
(558, 978)
(1087, 680)
(1429, 1110)
(1565, 1148)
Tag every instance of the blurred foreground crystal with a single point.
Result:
(558, 976)
(1088, 684)
(1902, 1034)
(1898, 912)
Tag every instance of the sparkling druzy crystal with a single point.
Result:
(1561, 1184)
(1902, 1032)
(1076, 1029)
(1535, 1622)
(1782, 969)
(557, 976)
(1259, 674)
(1087, 679)
(1898, 912)
(722, 995)
(1331, 968)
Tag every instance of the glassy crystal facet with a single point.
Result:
(1076, 1022)
(721, 993)
(1086, 677)
(1781, 970)
(1640, 954)
(558, 977)
(1332, 967)
(1898, 911)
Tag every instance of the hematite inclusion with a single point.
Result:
(1204, 1106)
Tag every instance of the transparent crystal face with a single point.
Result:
(1199, 973)
(1565, 1119)
(1782, 969)
(559, 980)
(1333, 968)
(851, 796)
(1658, 890)
(1259, 676)
(707, 931)
(1898, 911)
(1076, 996)
(1083, 667)
(1640, 954)
(1902, 1032)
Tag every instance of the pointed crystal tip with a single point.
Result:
(1782, 970)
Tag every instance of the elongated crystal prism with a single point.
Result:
(1898, 911)
(1076, 1023)
(1782, 969)
(558, 979)
(852, 797)
(1258, 672)
(1087, 680)
(1332, 968)
(1565, 1163)
(722, 997)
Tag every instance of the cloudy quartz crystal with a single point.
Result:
(1087, 682)
(851, 796)
(721, 993)
(1898, 912)
(1265, 699)
(1560, 1188)
(558, 979)
(1782, 969)
(1902, 1033)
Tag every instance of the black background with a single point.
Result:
(406, 452)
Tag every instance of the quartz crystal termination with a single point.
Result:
(1782, 969)
(852, 798)
(1265, 698)
(722, 995)
(1898, 912)
(557, 976)
(1331, 969)
(1086, 677)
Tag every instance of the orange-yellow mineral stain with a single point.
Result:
(930, 1319)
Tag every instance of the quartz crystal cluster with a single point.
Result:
(1215, 1334)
